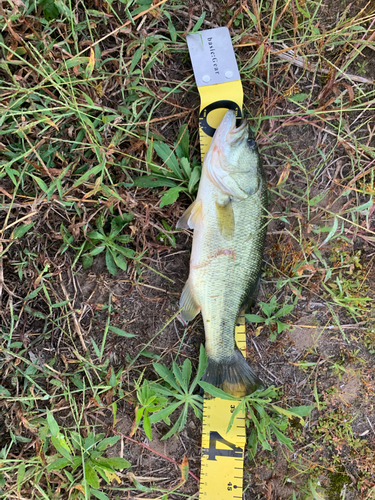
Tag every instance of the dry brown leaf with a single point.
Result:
(310, 267)
(284, 175)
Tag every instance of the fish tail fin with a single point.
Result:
(233, 375)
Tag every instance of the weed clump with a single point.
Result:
(337, 481)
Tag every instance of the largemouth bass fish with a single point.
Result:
(229, 222)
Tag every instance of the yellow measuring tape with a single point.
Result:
(220, 89)
(222, 452)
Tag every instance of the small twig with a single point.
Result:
(1, 271)
(166, 118)
(272, 375)
(34, 149)
(149, 286)
(256, 347)
(127, 23)
(330, 132)
(193, 496)
(74, 316)
(357, 48)
(173, 254)
(256, 14)
(302, 62)
(370, 425)
(331, 327)
(155, 271)
(18, 220)
(192, 16)
(147, 479)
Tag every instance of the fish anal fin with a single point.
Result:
(189, 307)
(225, 218)
(191, 216)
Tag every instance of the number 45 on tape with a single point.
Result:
(220, 89)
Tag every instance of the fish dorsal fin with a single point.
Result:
(189, 307)
(225, 217)
(251, 298)
(191, 216)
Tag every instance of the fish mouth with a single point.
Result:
(228, 132)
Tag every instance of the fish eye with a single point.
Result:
(251, 143)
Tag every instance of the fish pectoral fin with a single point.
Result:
(230, 186)
(191, 216)
(189, 307)
(225, 218)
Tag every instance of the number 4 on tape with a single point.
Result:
(220, 89)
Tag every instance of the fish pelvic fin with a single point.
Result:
(191, 216)
(225, 218)
(189, 307)
(233, 375)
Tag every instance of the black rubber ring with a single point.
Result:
(207, 129)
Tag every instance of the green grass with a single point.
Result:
(99, 155)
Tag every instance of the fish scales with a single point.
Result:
(225, 273)
(229, 222)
